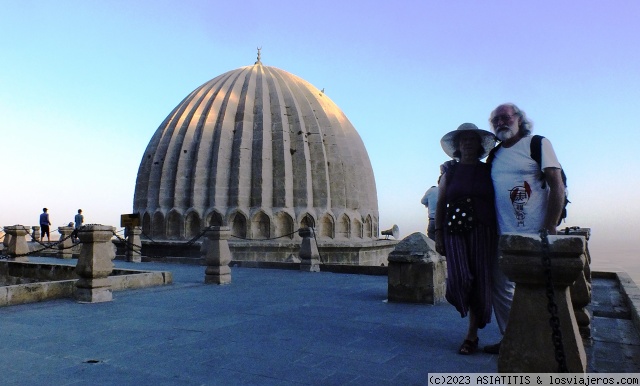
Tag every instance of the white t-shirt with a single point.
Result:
(520, 200)
(430, 200)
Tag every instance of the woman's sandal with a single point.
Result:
(468, 347)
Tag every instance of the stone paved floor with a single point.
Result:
(268, 327)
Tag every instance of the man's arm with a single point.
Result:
(424, 201)
(553, 177)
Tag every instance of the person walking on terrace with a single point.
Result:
(79, 220)
(466, 227)
(44, 225)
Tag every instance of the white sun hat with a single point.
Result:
(487, 139)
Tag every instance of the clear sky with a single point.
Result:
(85, 84)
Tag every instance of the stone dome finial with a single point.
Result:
(258, 59)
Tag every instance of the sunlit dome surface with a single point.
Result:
(262, 151)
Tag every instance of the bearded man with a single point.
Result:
(529, 196)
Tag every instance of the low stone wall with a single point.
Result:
(629, 290)
(36, 292)
(369, 253)
(36, 282)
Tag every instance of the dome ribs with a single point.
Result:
(193, 196)
(176, 174)
(200, 180)
(300, 164)
(280, 147)
(156, 174)
(260, 147)
(140, 198)
(220, 158)
(189, 153)
(241, 149)
(314, 146)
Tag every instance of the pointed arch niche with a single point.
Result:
(343, 227)
(260, 226)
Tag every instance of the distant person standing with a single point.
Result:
(79, 220)
(44, 224)
(430, 201)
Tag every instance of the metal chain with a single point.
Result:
(269, 238)
(134, 248)
(196, 238)
(552, 307)
(55, 245)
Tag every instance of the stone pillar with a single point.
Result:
(217, 256)
(581, 289)
(7, 239)
(65, 245)
(134, 244)
(17, 244)
(309, 255)
(527, 346)
(95, 264)
(36, 232)
(417, 273)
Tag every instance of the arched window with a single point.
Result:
(158, 226)
(326, 227)
(260, 226)
(174, 225)
(215, 219)
(192, 228)
(146, 224)
(343, 228)
(307, 222)
(357, 229)
(284, 225)
(367, 227)
(239, 226)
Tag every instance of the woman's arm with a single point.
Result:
(441, 209)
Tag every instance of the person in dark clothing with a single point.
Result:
(466, 227)
(44, 224)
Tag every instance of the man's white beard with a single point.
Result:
(504, 135)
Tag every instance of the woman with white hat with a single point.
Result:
(466, 227)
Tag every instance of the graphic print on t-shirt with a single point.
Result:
(519, 196)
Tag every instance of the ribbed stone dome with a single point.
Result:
(262, 151)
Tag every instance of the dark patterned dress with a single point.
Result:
(470, 255)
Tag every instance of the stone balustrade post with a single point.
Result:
(527, 346)
(417, 273)
(65, 245)
(17, 246)
(36, 232)
(95, 264)
(308, 254)
(134, 244)
(217, 256)
(581, 289)
(7, 239)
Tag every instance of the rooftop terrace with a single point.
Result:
(268, 327)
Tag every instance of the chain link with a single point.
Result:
(552, 307)
(196, 238)
(133, 247)
(55, 245)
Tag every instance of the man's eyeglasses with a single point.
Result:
(506, 118)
